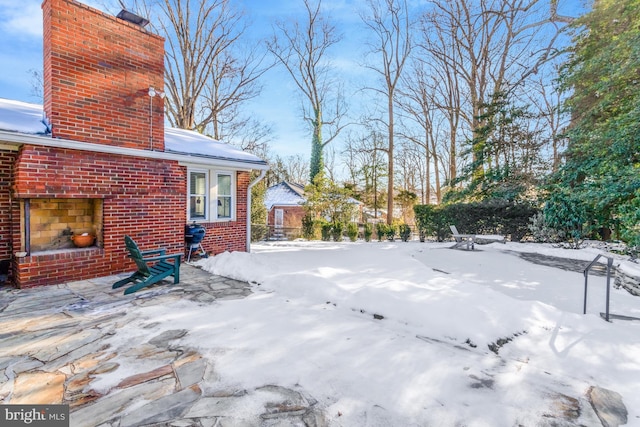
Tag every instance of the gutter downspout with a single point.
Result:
(257, 180)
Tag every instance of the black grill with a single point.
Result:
(193, 235)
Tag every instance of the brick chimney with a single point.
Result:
(97, 74)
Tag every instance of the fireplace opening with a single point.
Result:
(53, 223)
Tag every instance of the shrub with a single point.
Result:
(325, 230)
(422, 214)
(630, 223)
(570, 216)
(308, 227)
(540, 230)
(352, 231)
(432, 220)
(390, 232)
(326, 199)
(381, 230)
(512, 218)
(404, 231)
(486, 217)
(337, 228)
(259, 232)
(368, 231)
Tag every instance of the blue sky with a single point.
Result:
(21, 51)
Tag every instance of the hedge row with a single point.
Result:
(489, 217)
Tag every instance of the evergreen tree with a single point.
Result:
(507, 148)
(326, 199)
(258, 208)
(316, 164)
(602, 164)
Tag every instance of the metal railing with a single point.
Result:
(586, 277)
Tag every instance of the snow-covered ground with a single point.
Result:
(399, 334)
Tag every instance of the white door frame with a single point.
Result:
(279, 218)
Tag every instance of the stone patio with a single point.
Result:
(53, 345)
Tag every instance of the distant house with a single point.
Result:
(285, 210)
(285, 207)
(97, 159)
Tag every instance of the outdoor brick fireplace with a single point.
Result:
(98, 162)
(53, 221)
(97, 74)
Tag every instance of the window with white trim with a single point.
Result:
(225, 195)
(212, 195)
(198, 190)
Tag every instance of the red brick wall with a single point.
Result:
(7, 159)
(230, 236)
(292, 217)
(97, 74)
(142, 198)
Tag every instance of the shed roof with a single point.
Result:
(284, 194)
(290, 194)
(17, 117)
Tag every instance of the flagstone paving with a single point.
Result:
(53, 346)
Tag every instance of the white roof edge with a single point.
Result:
(20, 138)
(287, 204)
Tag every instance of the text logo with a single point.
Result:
(34, 415)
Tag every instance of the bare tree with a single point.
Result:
(351, 158)
(548, 101)
(364, 153)
(276, 172)
(390, 27)
(439, 71)
(293, 168)
(37, 84)
(418, 101)
(209, 73)
(410, 169)
(330, 164)
(234, 81)
(495, 46)
(250, 135)
(198, 34)
(409, 172)
(301, 47)
(297, 168)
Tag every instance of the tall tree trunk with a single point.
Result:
(316, 164)
(390, 166)
(436, 170)
(391, 25)
(428, 173)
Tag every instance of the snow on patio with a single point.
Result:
(399, 334)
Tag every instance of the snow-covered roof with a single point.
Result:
(290, 194)
(193, 143)
(284, 194)
(22, 117)
(25, 118)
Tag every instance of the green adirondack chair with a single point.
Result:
(152, 267)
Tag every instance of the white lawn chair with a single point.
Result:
(462, 239)
(471, 239)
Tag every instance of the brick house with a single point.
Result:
(285, 210)
(97, 159)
